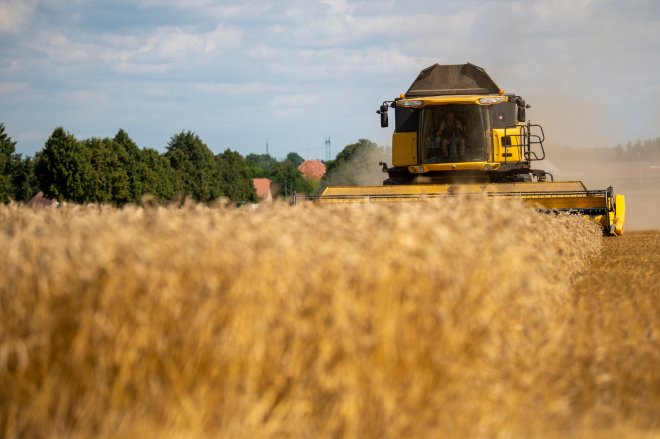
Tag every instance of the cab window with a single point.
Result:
(445, 138)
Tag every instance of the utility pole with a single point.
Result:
(327, 148)
(267, 146)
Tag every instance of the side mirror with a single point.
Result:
(384, 122)
(520, 102)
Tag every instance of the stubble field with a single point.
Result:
(469, 318)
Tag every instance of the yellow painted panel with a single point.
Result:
(619, 214)
(523, 189)
(515, 149)
(567, 202)
(386, 190)
(404, 149)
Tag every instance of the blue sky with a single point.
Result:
(295, 72)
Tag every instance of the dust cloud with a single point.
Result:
(363, 168)
(373, 175)
(636, 175)
(581, 134)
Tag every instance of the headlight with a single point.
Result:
(414, 103)
(492, 100)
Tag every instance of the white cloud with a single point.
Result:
(12, 88)
(233, 89)
(157, 92)
(292, 104)
(89, 98)
(563, 8)
(340, 16)
(338, 7)
(64, 50)
(213, 8)
(15, 14)
(342, 28)
(168, 48)
(160, 50)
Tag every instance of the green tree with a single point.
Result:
(7, 164)
(260, 165)
(294, 158)
(130, 158)
(157, 176)
(24, 182)
(63, 168)
(110, 182)
(235, 177)
(195, 166)
(289, 180)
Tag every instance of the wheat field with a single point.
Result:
(456, 319)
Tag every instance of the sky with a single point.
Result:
(288, 75)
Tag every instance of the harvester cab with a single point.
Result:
(454, 124)
(457, 132)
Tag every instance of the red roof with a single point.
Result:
(41, 200)
(262, 185)
(312, 169)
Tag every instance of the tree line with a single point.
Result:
(115, 170)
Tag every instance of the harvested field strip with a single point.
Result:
(616, 322)
(453, 320)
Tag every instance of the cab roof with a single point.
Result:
(459, 79)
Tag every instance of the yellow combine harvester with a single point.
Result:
(456, 132)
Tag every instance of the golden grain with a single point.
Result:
(453, 319)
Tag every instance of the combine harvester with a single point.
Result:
(456, 132)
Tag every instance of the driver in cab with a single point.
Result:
(451, 132)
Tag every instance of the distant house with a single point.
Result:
(262, 186)
(41, 200)
(312, 169)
